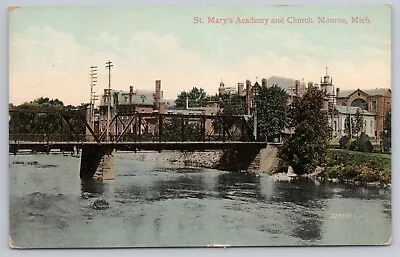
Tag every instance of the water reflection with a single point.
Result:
(182, 186)
(305, 201)
(303, 192)
(240, 186)
(152, 205)
(91, 188)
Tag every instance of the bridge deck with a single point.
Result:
(131, 146)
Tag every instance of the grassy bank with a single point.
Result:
(346, 165)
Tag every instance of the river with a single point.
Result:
(153, 205)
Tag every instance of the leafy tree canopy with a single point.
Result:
(196, 98)
(272, 111)
(307, 147)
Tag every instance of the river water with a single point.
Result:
(151, 205)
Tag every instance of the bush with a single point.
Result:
(362, 144)
(344, 142)
(364, 167)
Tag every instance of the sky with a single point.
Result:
(51, 49)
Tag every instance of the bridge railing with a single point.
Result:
(129, 137)
(48, 138)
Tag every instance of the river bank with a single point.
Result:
(341, 165)
(351, 166)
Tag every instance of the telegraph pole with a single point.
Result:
(93, 81)
(108, 66)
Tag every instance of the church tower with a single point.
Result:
(221, 89)
(326, 86)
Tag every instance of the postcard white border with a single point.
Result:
(260, 251)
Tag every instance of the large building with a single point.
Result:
(376, 101)
(142, 101)
(372, 104)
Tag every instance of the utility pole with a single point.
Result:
(255, 120)
(93, 81)
(108, 66)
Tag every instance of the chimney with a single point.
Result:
(264, 83)
(162, 107)
(157, 97)
(130, 94)
(240, 88)
(248, 96)
(337, 91)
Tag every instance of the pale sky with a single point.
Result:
(51, 49)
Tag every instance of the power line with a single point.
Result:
(93, 98)
(109, 66)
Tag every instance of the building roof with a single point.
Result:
(287, 84)
(371, 92)
(169, 104)
(139, 97)
(185, 111)
(352, 110)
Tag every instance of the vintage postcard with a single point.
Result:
(205, 126)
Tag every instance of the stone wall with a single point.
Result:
(207, 159)
(266, 161)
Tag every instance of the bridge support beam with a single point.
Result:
(97, 162)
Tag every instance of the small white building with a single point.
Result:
(339, 121)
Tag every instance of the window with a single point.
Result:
(374, 105)
(335, 125)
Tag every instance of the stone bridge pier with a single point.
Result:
(238, 159)
(97, 162)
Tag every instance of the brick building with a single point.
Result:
(377, 101)
(142, 101)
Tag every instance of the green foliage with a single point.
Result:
(364, 167)
(44, 126)
(362, 144)
(212, 98)
(172, 130)
(386, 135)
(272, 111)
(358, 123)
(344, 142)
(232, 104)
(307, 147)
(196, 98)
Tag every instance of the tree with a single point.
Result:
(357, 124)
(40, 124)
(362, 144)
(386, 134)
(349, 126)
(272, 110)
(196, 98)
(232, 104)
(172, 130)
(307, 147)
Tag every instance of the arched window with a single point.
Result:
(361, 103)
(335, 125)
